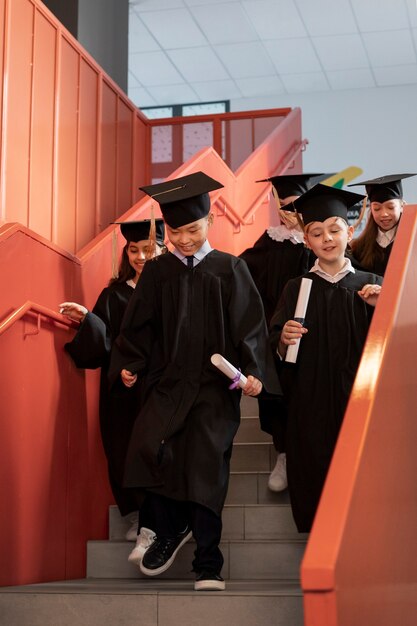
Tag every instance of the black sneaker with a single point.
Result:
(208, 581)
(161, 554)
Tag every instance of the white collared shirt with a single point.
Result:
(198, 256)
(385, 237)
(347, 267)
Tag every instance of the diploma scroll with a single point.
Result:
(227, 368)
(299, 316)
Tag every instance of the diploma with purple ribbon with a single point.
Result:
(235, 375)
(299, 315)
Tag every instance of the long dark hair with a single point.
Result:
(126, 271)
(365, 248)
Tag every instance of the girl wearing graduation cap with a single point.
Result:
(372, 249)
(91, 348)
(278, 255)
(338, 314)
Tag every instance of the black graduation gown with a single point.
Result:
(177, 318)
(380, 263)
(272, 264)
(317, 387)
(90, 349)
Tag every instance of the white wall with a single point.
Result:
(375, 129)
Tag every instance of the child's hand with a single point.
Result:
(128, 378)
(292, 331)
(370, 293)
(253, 387)
(74, 311)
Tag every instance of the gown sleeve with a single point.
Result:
(249, 331)
(91, 346)
(132, 348)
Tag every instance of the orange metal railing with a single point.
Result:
(74, 149)
(39, 312)
(360, 565)
(234, 136)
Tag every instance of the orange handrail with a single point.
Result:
(37, 309)
(168, 121)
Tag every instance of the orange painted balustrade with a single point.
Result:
(74, 149)
(360, 566)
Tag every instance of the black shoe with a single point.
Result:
(161, 554)
(208, 581)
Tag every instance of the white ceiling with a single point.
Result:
(183, 51)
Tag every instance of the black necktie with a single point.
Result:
(190, 262)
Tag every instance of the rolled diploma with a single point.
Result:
(227, 368)
(299, 315)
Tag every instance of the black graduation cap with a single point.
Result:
(321, 202)
(183, 200)
(138, 231)
(293, 184)
(384, 188)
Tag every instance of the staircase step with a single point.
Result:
(248, 406)
(273, 560)
(273, 521)
(250, 431)
(252, 488)
(253, 457)
(151, 602)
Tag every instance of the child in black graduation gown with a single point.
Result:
(372, 249)
(339, 310)
(193, 303)
(278, 255)
(90, 349)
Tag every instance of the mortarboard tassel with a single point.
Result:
(362, 213)
(115, 268)
(299, 218)
(277, 200)
(151, 249)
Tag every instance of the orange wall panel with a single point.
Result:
(142, 158)
(108, 157)
(124, 157)
(2, 49)
(87, 155)
(17, 112)
(42, 122)
(66, 148)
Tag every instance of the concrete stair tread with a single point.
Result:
(150, 602)
(295, 538)
(121, 586)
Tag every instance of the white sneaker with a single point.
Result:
(278, 478)
(132, 533)
(144, 541)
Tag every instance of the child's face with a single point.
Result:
(386, 214)
(189, 238)
(328, 240)
(138, 252)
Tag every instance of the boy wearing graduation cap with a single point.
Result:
(196, 302)
(372, 249)
(91, 347)
(339, 310)
(278, 255)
